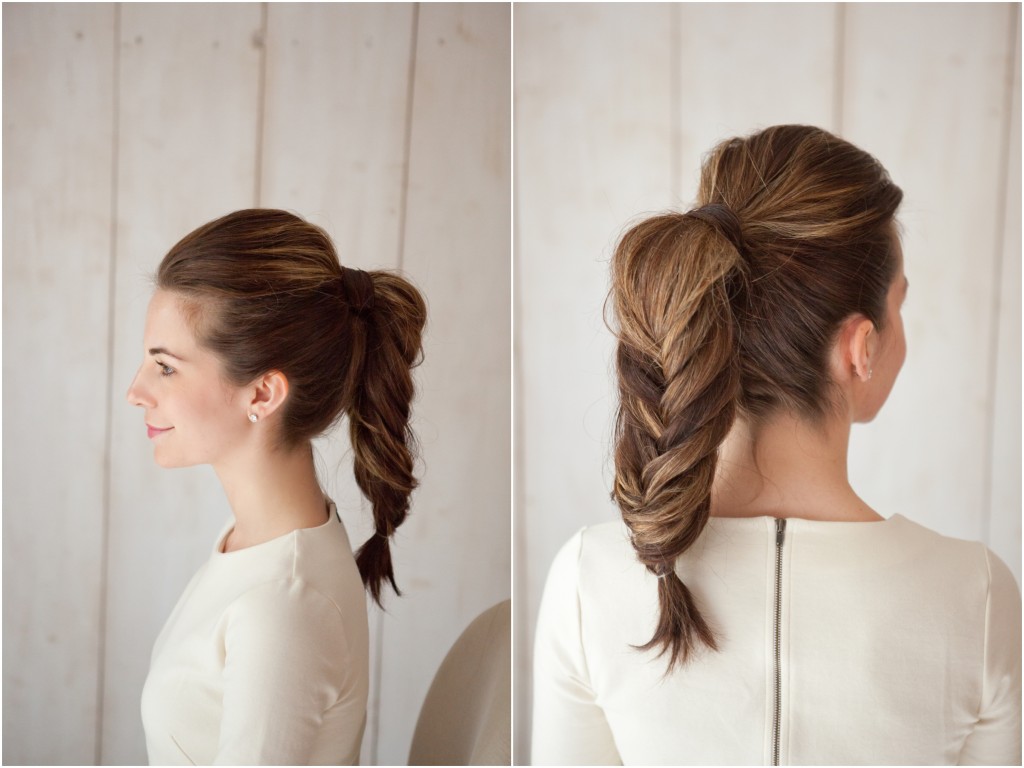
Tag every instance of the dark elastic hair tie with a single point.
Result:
(722, 218)
(357, 287)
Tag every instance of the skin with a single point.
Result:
(790, 467)
(182, 388)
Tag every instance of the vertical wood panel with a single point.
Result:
(334, 138)
(453, 555)
(730, 85)
(593, 148)
(57, 113)
(337, 83)
(187, 134)
(925, 93)
(1004, 534)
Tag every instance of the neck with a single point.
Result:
(787, 467)
(271, 493)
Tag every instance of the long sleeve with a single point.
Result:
(996, 739)
(569, 728)
(287, 661)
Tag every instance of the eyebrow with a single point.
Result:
(165, 351)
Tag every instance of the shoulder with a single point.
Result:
(596, 571)
(585, 582)
(594, 550)
(968, 559)
(285, 601)
(287, 616)
(953, 566)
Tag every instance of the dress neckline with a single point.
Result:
(218, 548)
(802, 522)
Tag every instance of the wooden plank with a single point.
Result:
(742, 67)
(335, 116)
(334, 136)
(58, 112)
(594, 143)
(1004, 533)
(187, 154)
(453, 555)
(937, 74)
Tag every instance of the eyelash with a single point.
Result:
(165, 370)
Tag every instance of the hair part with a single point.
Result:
(264, 291)
(732, 309)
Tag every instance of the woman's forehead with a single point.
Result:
(167, 324)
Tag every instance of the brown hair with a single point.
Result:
(267, 292)
(732, 309)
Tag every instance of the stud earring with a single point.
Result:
(253, 418)
(870, 371)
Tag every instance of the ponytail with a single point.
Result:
(675, 282)
(270, 294)
(718, 320)
(382, 441)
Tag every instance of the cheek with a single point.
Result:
(206, 427)
(217, 423)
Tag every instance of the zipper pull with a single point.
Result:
(780, 530)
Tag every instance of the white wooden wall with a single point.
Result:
(614, 107)
(126, 126)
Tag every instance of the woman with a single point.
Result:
(257, 340)
(754, 609)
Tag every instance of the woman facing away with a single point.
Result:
(257, 340)
(753, 609)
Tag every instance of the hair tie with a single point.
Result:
(724, 220)
(357, 289)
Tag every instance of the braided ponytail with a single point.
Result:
(382, 441)
(718, 321)
(675, 281)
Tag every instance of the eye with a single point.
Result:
(165, 370)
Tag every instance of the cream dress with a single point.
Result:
(264, 661)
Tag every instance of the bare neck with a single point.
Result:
(271, 493)
(787, 467)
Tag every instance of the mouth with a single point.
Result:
(154, 431)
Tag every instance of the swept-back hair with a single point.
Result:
(732, 308)
(266, 292)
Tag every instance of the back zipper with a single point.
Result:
(780, 537)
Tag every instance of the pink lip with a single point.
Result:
(154, 431)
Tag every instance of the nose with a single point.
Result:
(137, 394)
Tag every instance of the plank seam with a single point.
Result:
(676, 105)
(101, 671)
(839, 91)
(378, 651)
(402, 222)
(522, 684)
(261, 107)
(409, 98)
(997, 273)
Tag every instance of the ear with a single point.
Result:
(269, 392)
(855, 349)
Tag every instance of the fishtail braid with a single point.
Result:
(675, 281)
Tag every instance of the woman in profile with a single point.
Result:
(257, 340)
(753, 609)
